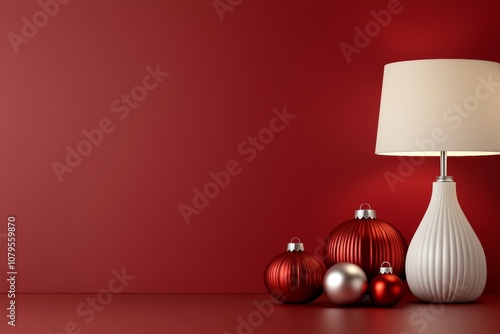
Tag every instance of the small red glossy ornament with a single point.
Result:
(295, 276)
(367, 242)
(386, 289)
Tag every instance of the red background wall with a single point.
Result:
(119, 207)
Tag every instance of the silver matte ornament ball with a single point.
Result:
(345, 283)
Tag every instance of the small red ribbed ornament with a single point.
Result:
(367, 242)
(295, 276)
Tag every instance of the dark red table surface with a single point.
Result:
(242, 314)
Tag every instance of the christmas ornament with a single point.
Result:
(367, 242)
(295, 276)
(345, 283)
(386, 289)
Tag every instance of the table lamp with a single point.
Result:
(442, 107)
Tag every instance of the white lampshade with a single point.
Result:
(451, 105)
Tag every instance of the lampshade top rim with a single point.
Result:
(441, 60)
(437, 153)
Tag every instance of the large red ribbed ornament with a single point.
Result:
(367, 242)
(295, 276)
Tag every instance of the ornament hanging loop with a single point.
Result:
(295, 246)
(365, 213)
(387, 269)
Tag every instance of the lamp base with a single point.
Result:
(445, 262)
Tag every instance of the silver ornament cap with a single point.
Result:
(365, 213)
(295, 246)
(387, 269)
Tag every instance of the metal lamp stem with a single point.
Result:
(444, 168)
(443, 164)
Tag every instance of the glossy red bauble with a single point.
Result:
(367, 242)
(386, 289)
(295, 276)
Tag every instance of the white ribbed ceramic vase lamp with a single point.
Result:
(442, 107)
